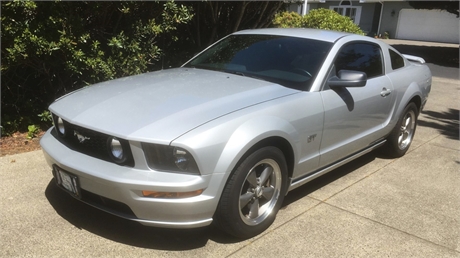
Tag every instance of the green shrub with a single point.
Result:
(50, 48)
(287, 20)
(324, 19)
(46, 116)
(32, 132)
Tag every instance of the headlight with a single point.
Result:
(116, 150)
(182, 158)
(168, 158)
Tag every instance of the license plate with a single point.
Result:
(67, 181)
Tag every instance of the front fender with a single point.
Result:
(218, 149)
(249, 134)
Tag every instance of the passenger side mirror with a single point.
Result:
(347, 78)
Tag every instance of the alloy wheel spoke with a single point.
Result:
(408, 120)
(252, 179)
(245, 199)
(265, 175)
(400, 138)
(254, 209)
(268, 192)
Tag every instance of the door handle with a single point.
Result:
(385, 92)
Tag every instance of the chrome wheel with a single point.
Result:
(253, 193)
(407, 129)
(260, 192)
(400, 139)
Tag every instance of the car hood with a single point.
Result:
(161, 106)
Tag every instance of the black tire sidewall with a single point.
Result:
(393, 147)
(228, 213)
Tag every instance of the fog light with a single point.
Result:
(60, 126)
(116, 149)
(172, 195)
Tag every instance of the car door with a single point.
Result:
(355, 116)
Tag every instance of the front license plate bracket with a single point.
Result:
(67, 181)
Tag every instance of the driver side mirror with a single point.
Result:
(347, 78)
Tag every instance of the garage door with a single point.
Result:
(428, 25)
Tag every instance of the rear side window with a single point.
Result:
(396, 60)
(363, 57)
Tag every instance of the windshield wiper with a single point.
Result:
(250, 75)
(234, 72)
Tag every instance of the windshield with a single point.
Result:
(289, 61)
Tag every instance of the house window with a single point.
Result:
(346, 8)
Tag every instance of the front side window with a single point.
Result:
(289, 61)
(363, 57)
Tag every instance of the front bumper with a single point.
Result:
(112, 183)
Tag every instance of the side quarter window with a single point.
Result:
(361, 56)
(396, 60)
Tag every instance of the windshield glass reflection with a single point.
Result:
(289, 61)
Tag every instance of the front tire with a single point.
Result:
(253, 194)
(401, 137)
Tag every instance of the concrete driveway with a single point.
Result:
(372, 207)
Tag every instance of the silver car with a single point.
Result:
(226, 136)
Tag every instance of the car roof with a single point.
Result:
(323, 35)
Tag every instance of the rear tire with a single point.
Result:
(400, 139)
(253, 194)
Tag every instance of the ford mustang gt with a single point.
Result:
(227, 135)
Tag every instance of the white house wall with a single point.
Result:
(389, 22)
(428, 25)
(390, 15)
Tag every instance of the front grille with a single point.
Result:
(92, 143)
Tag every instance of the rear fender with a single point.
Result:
(413, 91)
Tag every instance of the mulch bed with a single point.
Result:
(18, 143)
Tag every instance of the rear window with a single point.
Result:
(396, 60)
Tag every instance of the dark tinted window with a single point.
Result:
(363, 57)
(289, 61)
(396, 60)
